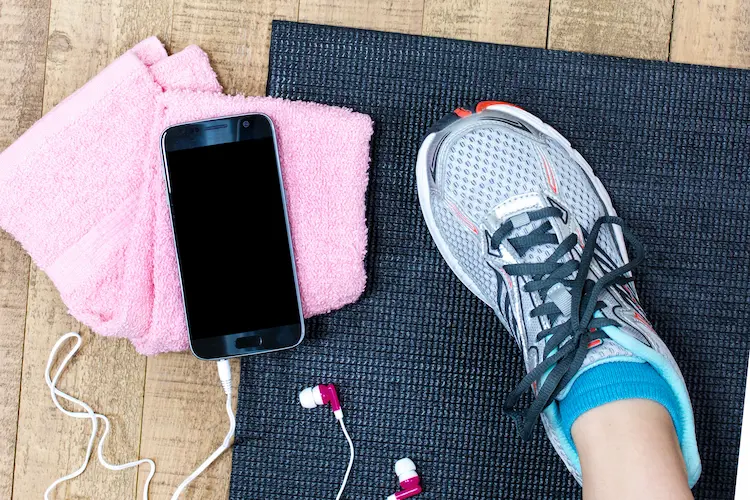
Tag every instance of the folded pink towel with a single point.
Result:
(82, 190)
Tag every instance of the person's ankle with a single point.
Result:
(629, 450)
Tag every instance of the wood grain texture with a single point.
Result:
(78, 46)
(14, 285)
(515, 22)
(184, 422)
(236, 35)
(403, 16)
(134, 20)
(23, 44)
(629, 28)
(715, 32)
(84, 36)
(23, 47)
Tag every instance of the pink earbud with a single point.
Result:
(320, 395)
(408, 479)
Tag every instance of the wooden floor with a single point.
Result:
(170, 407)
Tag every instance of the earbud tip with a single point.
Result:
(404, 466)
(307, 398)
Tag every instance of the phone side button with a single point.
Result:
(248, 342)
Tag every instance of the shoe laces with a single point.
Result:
(569, 301)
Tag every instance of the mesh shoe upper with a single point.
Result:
(488, 161)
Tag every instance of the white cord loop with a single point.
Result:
(86, 413)
(225, 376)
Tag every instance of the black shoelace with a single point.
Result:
(567, 343)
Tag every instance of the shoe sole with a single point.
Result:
(532, 122)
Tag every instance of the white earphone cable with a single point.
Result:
(351, 459)
(225, 375)
(87, 413)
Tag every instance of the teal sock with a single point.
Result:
(615, 381)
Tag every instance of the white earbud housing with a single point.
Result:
(311, 397)
(405, 469)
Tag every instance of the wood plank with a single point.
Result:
(184, 422)
(629, 28)
(14, 285)
(516, 22)
(134, 20)
(23, 44)
(715, 32)
(84, 36)
(404, 16)
(235, 34)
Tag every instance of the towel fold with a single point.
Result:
(82, 191)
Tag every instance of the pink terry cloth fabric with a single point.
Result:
(83, 192)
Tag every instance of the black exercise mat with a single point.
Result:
(422, 366)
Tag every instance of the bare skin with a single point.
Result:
(629, 451)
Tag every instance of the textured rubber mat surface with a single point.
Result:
(421, 365)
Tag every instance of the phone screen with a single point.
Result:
(231, 235)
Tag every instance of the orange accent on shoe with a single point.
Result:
(464, 220)
(550, 174)
(643, 320)
(485, 104)
(462, 113)
(548, 170)
(595, 343)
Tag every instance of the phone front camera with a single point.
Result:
(246, 123)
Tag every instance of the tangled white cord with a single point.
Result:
(86, 413)
(226, 383)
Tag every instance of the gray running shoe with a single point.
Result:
(521, 219)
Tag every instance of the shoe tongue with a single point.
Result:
(516, 209)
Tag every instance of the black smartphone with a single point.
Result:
(231, 233)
